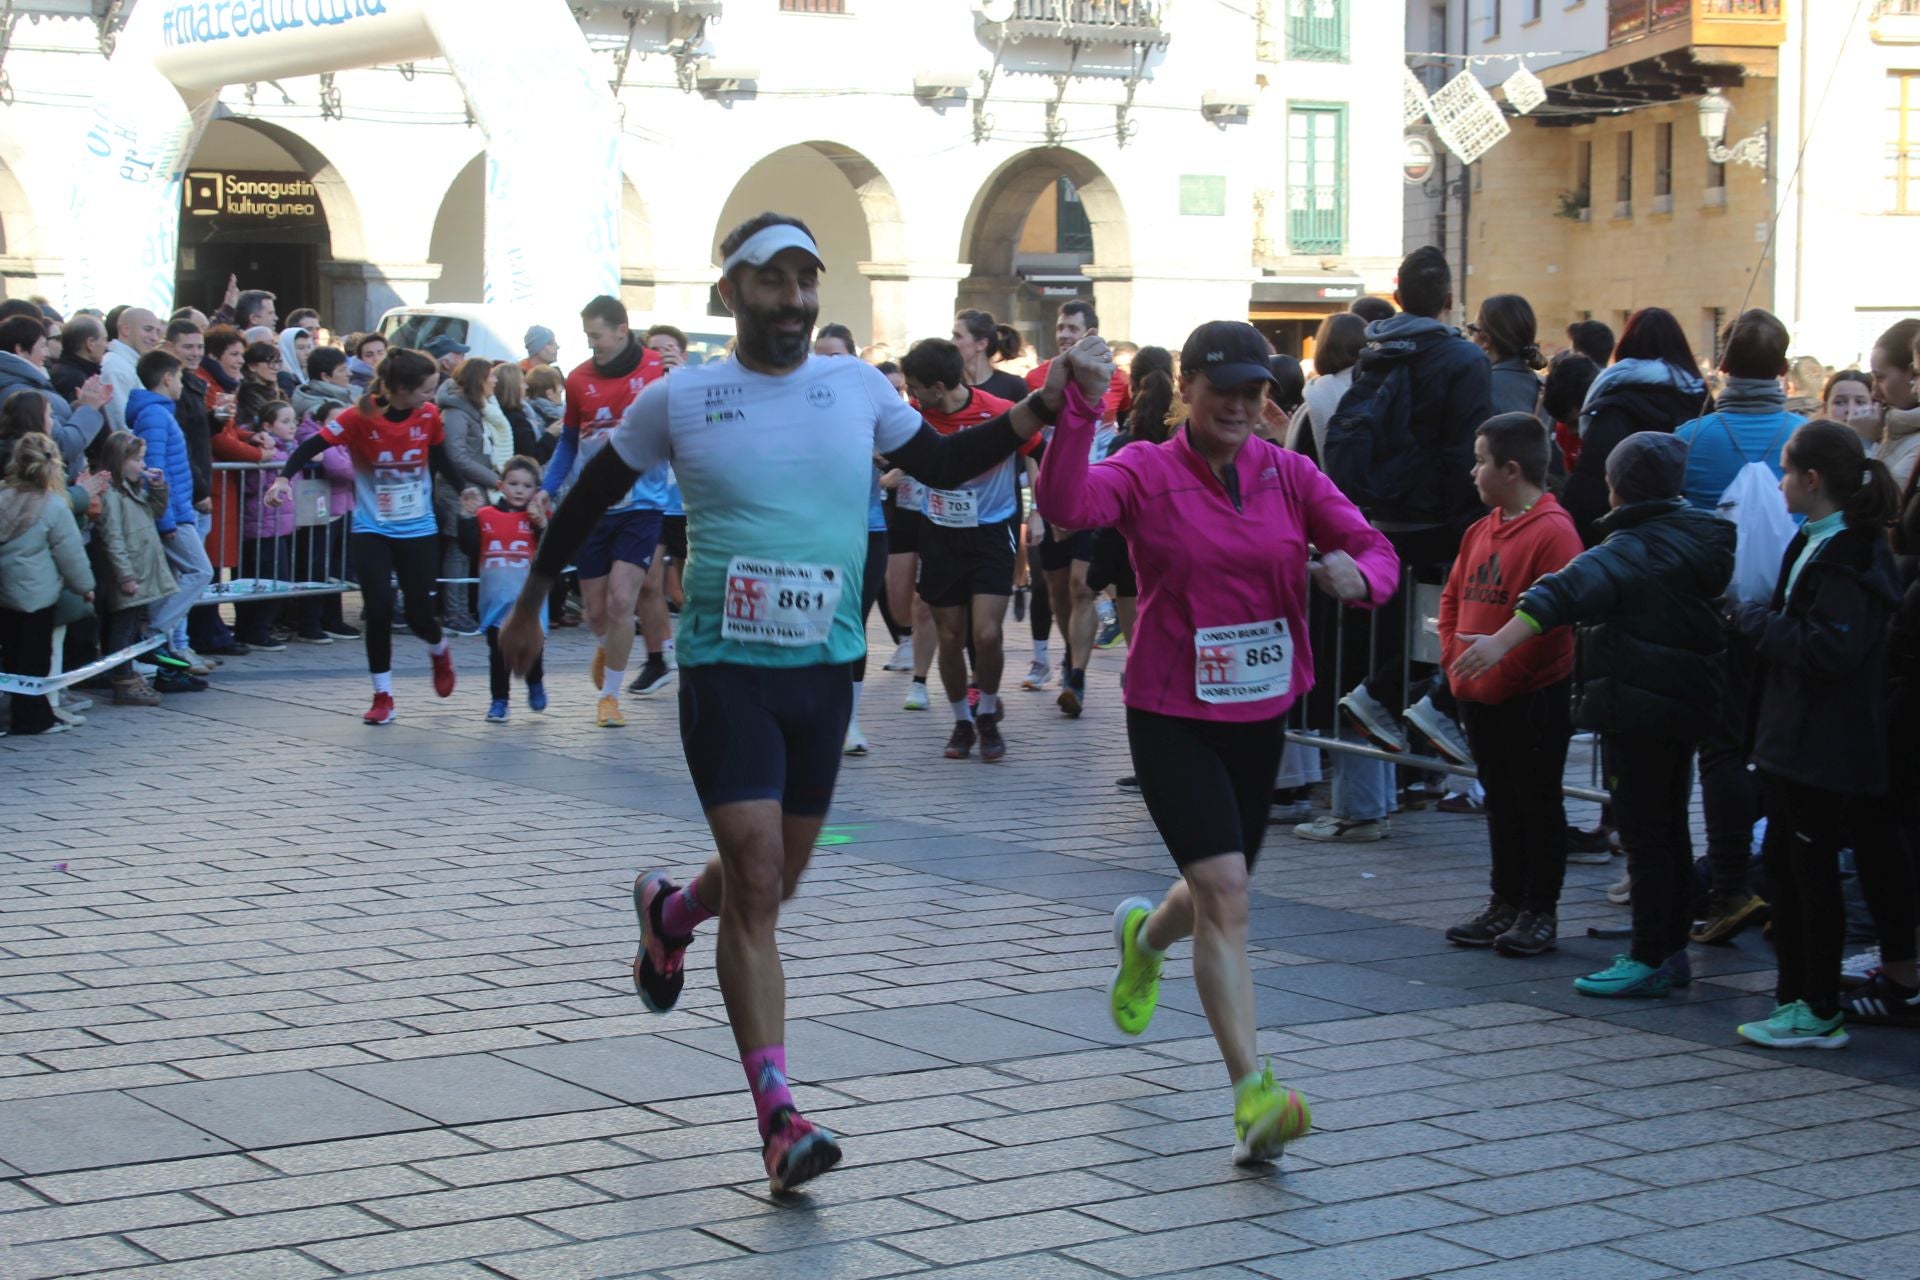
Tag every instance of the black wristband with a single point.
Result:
(1037, 406)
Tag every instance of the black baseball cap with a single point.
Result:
(443, 346)
(1231, 353)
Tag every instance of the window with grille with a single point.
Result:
(1903, 141)
(1316, 178)
(1073, 230)
(1663, 160)
(1317, 30)
(813, 6)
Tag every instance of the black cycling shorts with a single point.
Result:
(1111, 566)
(1208, 784)
(903, 530)
(958, 564)
(1061, 553)
(765, 733)
(673, 536)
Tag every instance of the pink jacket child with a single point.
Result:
(1221, 633)
(336, 466)
(258, 520)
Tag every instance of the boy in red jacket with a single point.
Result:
(1518, 715)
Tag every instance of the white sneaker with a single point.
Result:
(1620, 892)
(902, 659)
(1344, 830)
(1374, 720)
(856, 741)
(916, 696)
(1441, 730)
(1038, 673)
(73, 703)
(196, 665)
(67, 718)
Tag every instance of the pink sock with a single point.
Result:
(767, 1077)
(682, 912)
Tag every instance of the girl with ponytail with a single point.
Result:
(1819, 730)
(984, 343)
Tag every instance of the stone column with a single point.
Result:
(358, 293)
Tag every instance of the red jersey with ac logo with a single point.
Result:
(508, 541)
(595, 404)
(392, 471)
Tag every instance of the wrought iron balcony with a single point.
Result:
(1735, 23)
(1084, 21)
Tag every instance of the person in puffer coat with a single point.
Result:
(1648, 675)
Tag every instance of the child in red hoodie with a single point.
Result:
(1517, 715)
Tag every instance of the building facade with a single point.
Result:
(1173, 162)
(1609, 197)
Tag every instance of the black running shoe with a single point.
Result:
(1534, 933)
(992, 745)
(1484, 925)
(960, 745)
(659, 967)
(654, 675)
(1884, 1001)
(796, 1151)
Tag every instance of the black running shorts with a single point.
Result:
(1208, 784)
(958, 564)
(765, 733)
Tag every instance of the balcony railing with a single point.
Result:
(1117, 21)
(1741, 22)
(1316, 219)
(1317, 30)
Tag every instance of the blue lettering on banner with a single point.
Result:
(213, 20)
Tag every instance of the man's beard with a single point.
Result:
(761, 341)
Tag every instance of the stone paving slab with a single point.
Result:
(376, 1019)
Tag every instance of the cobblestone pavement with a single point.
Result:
(282, 996)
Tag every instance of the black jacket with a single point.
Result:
(1651, 648)
(70, 373)
(1819, 713)
(1450, 388)
(196, 424)
(1611, 418)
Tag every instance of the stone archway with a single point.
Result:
(858, 225)
(20, 247)
(459, 231)
(541, 255)
(991, 240)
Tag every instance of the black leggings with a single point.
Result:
(1805, 829)
(1208, 784)
(1651, 778)
(417, 562)
(498, 673)
(873, 584)
(1521, 747)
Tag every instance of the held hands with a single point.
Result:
(520, 636)
(469, 503)
(1336, 574)
(540, 510)
(279, 491)
(1483, 653)
(1091, 364)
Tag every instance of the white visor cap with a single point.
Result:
(759, 248)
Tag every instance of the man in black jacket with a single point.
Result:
(1447, 394)
(83, 345)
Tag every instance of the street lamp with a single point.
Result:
(1714, 109)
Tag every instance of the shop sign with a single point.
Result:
(259, 197)
(1416, 161)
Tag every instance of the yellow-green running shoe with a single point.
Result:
(1266, 1117)
(1134, 992)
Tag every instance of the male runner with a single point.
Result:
(613, 563)
(771, 620)
(967, 548)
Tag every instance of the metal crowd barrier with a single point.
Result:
(1316, 720)
(309, 560)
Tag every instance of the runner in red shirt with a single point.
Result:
(614, 562)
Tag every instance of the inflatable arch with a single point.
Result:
(522, 64)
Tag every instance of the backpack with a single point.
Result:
(1754, 504)
(1370, 451)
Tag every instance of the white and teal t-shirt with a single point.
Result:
(775, 473)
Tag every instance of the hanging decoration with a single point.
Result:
(1524, 90)
(1466, 118)
(1413, 98)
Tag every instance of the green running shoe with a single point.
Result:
(1134, 992)
(1797, 1026)
(1625, 978)
(1266, 1117)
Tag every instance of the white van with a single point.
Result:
(498, 333)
